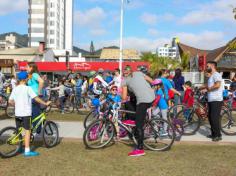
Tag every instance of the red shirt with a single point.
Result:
(188, 97)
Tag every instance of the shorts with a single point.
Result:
(24, 122)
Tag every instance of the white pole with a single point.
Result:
(121, 34)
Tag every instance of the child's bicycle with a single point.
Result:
(11, 138)
(102, 131)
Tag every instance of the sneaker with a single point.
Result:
(136, 152)
(129, 122)
(31, 154)
(163, 133)
(216, 139)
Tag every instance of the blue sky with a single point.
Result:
(205, 24)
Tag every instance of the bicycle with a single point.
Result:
(102, 131)
(11, 138)
(193, 117)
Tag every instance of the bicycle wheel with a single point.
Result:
(98, 134)
(174, 110)
(227, 123)
(50, 134)
(10, 111)
(68, 105)
(10, 144)
(190, 121)
(92, 115)
(159, 135)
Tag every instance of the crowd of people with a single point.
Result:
(136, 88)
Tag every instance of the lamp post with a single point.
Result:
(234, 11)
(121, 34)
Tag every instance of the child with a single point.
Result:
(160, 104)
(226, 93)
(21, 97)
(188, 99)
(116, 101)
(61, 88)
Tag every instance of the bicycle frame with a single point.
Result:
(15, 139)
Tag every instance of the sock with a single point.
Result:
(27, 150)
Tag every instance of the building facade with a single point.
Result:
(169, 51)
(50, 21)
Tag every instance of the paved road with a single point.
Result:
(75, 130)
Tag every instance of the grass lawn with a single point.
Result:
(71, 158)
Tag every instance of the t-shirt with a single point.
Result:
(109, 79)
(162, 104)
(140, 87)
(33, 83)
(179, 82)
(167, 86)
(13, 83)
(22, 96)
(215, 95)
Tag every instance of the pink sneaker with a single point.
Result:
(129, 122)
(136, 152)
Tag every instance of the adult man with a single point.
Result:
(214, 88)
(137, 83)
(99, 83)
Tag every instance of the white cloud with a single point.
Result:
(98, 32)
(149, 19)
(92, 20)
(153, 19)
(205, 40)
(213, 11)
(91, 17)
(152, 32)
(12, 6)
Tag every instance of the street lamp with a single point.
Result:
(121, 34)
(234, 11)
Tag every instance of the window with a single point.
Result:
(37, 20)
(52, 32)
(52, 14)
(37, 11)
(37, 1)
(52, 41)
(52, 23)
(37, 30)
(37, 39)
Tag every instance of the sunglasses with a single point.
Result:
(113, 89)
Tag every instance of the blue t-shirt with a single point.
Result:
(79, 83)
(34, 83)
(162, 104)
(167, 86)
(225, 93)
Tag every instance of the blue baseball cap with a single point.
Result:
(22, 75)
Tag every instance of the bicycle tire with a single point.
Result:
(154, 139)
(92, 115)
(99, 134)
(190, 125)
(49, 133)
(227, 124)
(8, 150)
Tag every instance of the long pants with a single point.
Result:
(214, 117)
(141, 112)
(36, 111)
(62, 102)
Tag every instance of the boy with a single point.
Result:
(188, 99)
(21, 97)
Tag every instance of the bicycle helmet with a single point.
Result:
(100, 70)
(91, 73)
(156, 82)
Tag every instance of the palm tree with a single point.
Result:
(157, 63)
(185, 59)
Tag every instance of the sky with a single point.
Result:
(148, 24)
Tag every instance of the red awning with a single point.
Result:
(80, 66)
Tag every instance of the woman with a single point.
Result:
(179, 83)
(36, 83)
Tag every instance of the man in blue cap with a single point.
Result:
(21, 97)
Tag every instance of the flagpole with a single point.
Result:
(121, 35)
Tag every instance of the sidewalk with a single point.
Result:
(75, 130)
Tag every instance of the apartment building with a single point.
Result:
(51, 21)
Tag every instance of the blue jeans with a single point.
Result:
(36, 111)
(187, 114)
(62, 102)
(78, 94)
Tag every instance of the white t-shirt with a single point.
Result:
(22, 96)
(215, 95)
(117, 81)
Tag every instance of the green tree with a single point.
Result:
(185, 59)
(158, 63)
